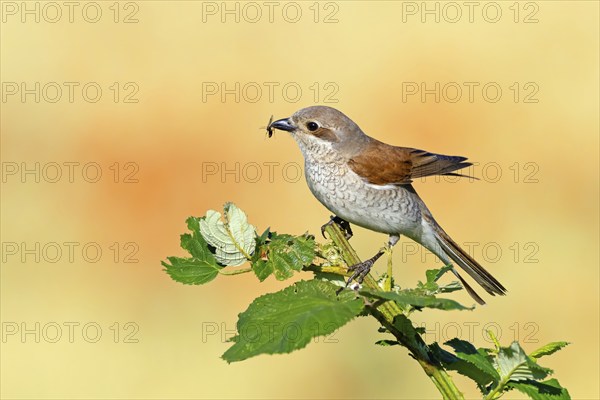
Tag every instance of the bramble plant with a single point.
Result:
(216, 243)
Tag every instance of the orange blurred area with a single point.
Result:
(121, 119)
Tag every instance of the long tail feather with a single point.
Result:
(472, 267)
(468, 287)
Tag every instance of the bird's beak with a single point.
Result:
(284, 124)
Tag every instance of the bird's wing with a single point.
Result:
(382, 164)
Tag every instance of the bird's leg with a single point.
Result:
(362, 269)
(389, 281)
(342, 223)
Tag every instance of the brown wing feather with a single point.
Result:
(382, 164)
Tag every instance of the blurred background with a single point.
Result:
(121, 119)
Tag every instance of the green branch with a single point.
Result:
(235, 271)
(312, 308)
(388, 313)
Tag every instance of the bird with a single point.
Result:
(368, 183)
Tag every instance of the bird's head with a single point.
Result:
(320, 126)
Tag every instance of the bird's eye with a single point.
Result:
(312, 126)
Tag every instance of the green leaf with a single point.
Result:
(412, 298)
(202, 267)
(483, 380)
(191, 271)
(435, 274)
(504, 368)
(513, 364)
(262, 239)
(431, 287)
(387, 343)
(476, 357)
(195, 243)
(287, 320)
(262, 269)
(548, 349)
(547, 390)
(284, 254)
(282, 264)
(405, 325)
(451, 287)
(474, 364)
(233, 238)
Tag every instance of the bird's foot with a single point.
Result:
(342, 223)
(361, 270)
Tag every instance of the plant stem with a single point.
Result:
(387, 312)
(235, 271)
(494, 394)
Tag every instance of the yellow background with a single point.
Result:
(172, 134)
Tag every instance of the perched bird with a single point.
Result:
(368, 183)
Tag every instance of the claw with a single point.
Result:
(345, 225)
(323, 229)
(342, 223)
(361, 270)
